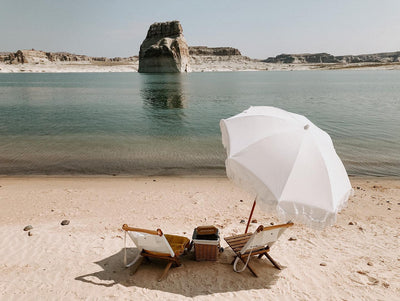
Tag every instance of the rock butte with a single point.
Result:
(164, 49)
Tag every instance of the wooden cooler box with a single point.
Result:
(206, 243)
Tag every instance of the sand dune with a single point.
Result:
(83, 260)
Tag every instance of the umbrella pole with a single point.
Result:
(251, 214)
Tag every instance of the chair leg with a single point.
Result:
(244, 259)
(233, 261)
(147, 259)
(177, 262)
(273, 261)
(165, 271)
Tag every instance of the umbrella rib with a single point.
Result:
(326, 169)
(295, 160)
(324, 166)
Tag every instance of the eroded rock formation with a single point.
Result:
(326, 58)
(218, 51)
(38, 56)
(164, 49)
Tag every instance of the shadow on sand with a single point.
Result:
(191, 279)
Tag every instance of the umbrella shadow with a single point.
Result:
(191, 279)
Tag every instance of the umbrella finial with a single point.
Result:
(307, 126)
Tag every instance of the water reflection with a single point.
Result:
(163, 98)
(163, 91)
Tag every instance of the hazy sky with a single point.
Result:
(259, 28)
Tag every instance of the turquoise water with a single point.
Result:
(149, 124)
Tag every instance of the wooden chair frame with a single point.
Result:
(172, 259)
(238, 244)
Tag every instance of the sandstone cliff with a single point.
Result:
(164, 49)
(203, 58)
(326, 58)
(217, 51)
(37, 56)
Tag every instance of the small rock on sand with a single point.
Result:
(370, 263)
(30, 233)
(27, 228)
(323, 264)
(65, 222)
(242, 221)
(254, 221)
(351, 223)
(385, 284)
(292, 239)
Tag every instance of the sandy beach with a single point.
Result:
(357, 259)
(197, 64)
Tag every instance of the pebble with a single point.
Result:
(27, 228)
(242, 221)
(389, 209)
(351, 223)
(370, 263)
(323, 264)
(358, 187)
(272, 223)
(65, 222)
(292, 239)
(30, 233)
(241, 201)
(254, 221)
(385, 284)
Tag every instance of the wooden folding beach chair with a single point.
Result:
(257, 243)
(154, 244)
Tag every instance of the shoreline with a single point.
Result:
(179, 176)
(217, 65)
(357, 258)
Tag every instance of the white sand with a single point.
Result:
(65, 67)
(197, 64)
(83, 260)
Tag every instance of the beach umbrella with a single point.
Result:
(288, 163)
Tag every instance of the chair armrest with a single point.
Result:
(127, 228)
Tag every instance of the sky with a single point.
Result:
(259, 28)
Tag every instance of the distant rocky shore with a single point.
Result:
(201, 59)
(164, 49)
(326, 58)
(37, 56)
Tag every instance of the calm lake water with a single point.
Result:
(148, 124)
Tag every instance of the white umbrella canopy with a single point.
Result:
(289, 164)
